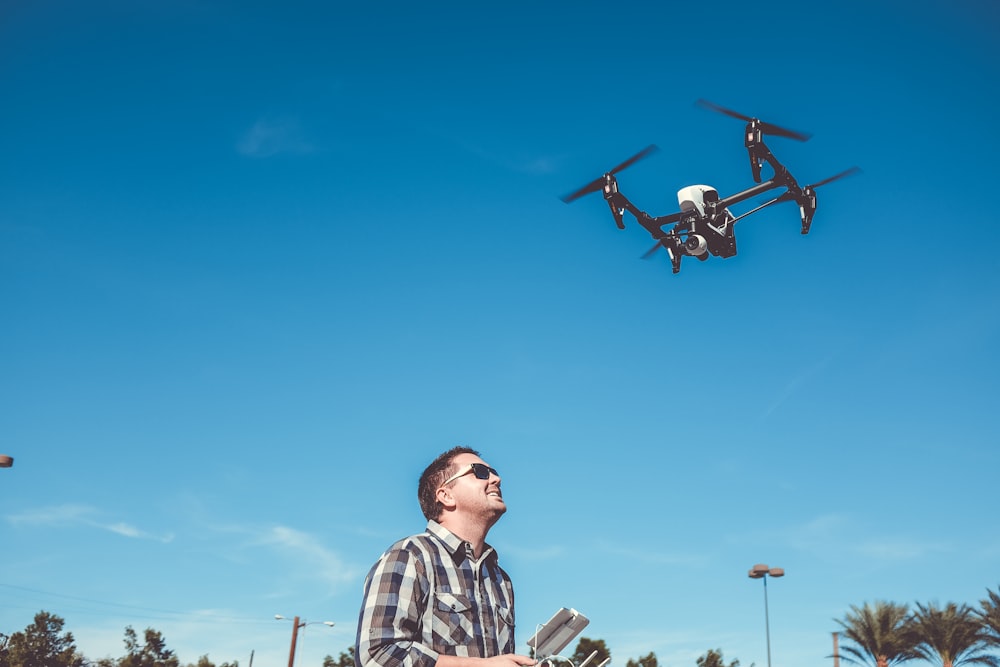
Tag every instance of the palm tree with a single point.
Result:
(990, 616)
(952, 636)
(881, 634)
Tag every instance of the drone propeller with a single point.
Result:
(843, 174)
(598, 183)
(766, 128)
(660, 243)
(652, 251)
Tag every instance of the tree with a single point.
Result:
(343, 660)
(951, 636)
(153, 653)
(713, 658)
(203, 661)
(41, 645)
(587, 646)
(648, 660)
(881, 633)
(989, 616)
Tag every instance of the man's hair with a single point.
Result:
(439, 470)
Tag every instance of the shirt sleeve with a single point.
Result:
(390, 624)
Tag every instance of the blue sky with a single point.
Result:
(260, 262)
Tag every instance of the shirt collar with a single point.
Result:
(457, 547)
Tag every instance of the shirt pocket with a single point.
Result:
(453, 622)
(505, 629)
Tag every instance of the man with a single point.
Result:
(440, 599)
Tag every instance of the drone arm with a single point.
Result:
(671, 241)
(759, 154)
(750, 193)
(654, 225)
(619, 204)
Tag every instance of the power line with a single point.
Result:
(160, 614)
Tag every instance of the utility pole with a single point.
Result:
(295, 636)
(296, 624)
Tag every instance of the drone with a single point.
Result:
(704, 225)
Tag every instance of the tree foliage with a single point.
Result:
(648, 660)
(41, 644)
(713, 658)
(343, 660)
(203, 661)
(989, 615)
(152, 653)
(881, 634)
(585, 647)
(951, 636)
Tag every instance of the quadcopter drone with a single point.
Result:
(705, 226)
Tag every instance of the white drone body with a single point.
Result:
(701, 232)
(693, 197)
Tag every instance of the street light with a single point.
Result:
(296, 624)
(6, 461)
(761, 571)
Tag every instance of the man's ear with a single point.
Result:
(445, 497)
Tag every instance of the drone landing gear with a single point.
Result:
(611, 195)
(807, 207)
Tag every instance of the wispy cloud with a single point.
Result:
(524, 164)
(56, 515)
(650, 557)
(307, 549)
(82, 515)
(832, 533)
(819, 533)
(270, 137)
(899, 548)
(794, 383)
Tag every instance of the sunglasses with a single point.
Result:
(480, 470)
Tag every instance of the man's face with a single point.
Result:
(480, 497)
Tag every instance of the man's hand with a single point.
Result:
(509, 660)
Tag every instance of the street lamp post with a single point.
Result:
(296, 624)
(761, 571)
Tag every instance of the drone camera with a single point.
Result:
(696, 245)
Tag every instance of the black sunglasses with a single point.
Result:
(480, 470)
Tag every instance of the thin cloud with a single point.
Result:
(522, 164)
(48, 516)
(273, 137)
(653, 558)
(81, 515)
(793, 384)
(533, 165)
(896, 549)
(306, 548)
(129, 530)
(832, 533)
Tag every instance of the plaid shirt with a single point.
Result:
(427, 596)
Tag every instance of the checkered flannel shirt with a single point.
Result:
(428, 596)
